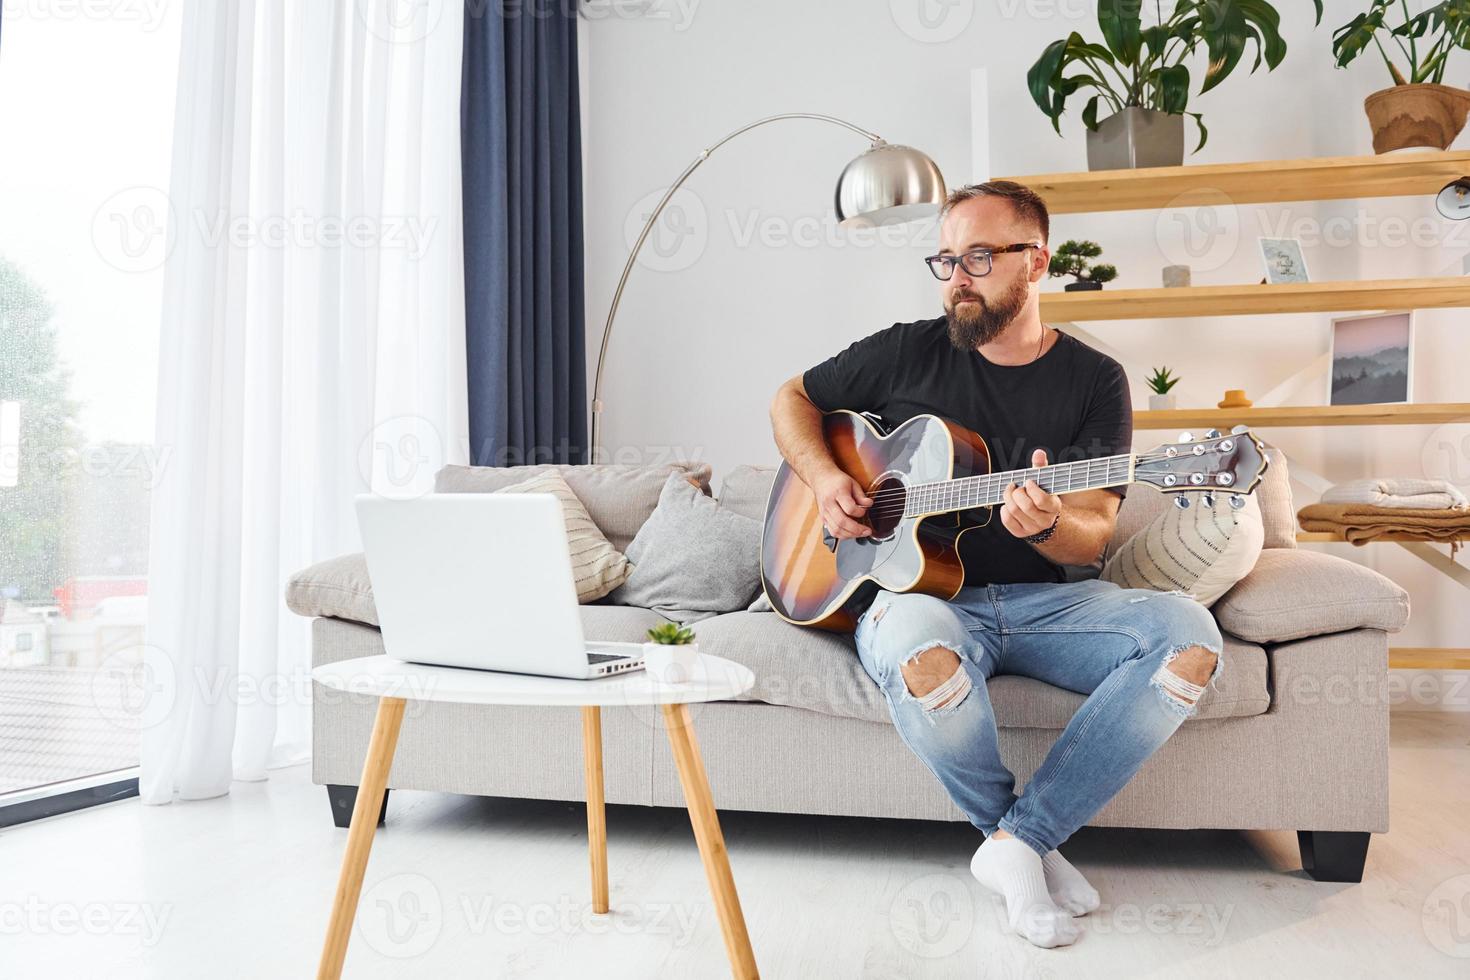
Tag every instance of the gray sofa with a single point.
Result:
(1293, 736)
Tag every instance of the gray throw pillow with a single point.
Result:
(692, 559)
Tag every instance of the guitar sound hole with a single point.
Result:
(889, 499)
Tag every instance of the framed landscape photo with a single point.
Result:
(1371, 359)
(1283, 258)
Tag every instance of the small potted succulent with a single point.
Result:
(1073, 259)
(1161, 383)
(670, 653)
(1418, 110)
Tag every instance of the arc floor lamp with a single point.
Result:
(888, 184)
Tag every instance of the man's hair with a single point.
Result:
(1027, 204)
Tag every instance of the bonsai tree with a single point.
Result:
(1161, 381)
(671, 634)
(1145, 66)
(1071, 259)
(1446, 26)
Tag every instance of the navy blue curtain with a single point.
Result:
(522, 159)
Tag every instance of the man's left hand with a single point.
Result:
(1028, 509)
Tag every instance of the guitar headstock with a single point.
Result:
(1233, 463)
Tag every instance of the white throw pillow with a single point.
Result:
(597, 566)
(1201, 551)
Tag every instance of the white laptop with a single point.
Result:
(481, 580)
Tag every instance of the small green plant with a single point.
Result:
(1161, 381)
(671, 634)
(1447, 26)
(1072, 259)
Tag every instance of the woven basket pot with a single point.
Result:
(1416, 115)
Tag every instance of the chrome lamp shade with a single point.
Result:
(889, 184)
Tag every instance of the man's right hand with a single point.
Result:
(841, 502)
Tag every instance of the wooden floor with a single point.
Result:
(460, 886)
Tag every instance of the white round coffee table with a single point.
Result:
(395, 683)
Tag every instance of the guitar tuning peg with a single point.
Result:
(1237, 501)
(1207, 500)
(1186, 437)
(1181, 501)
(1240, 430)
(1213, 434)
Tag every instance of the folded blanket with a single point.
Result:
(1361, 523)
(1408, 493)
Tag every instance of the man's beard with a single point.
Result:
(982, 321)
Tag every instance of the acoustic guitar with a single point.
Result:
(920, 477)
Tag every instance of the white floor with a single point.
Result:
(461, 886)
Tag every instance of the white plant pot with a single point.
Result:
(670, 663)
(1160, 403)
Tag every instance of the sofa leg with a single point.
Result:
(344, 798)
(1333, 855)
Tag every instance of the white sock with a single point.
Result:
(1013, 870)
(1068, 889)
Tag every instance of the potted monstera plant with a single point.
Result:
(1418, 110)
(1139, 77)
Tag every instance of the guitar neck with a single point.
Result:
(987, 490)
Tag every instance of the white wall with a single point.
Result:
(756, 291)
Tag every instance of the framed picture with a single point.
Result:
(1283, 258)
(1371, 359)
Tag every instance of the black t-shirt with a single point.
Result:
(1072, 401)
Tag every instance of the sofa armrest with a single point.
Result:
(1292, 594)
(337, 587)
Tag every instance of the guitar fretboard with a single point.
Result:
(986, 491)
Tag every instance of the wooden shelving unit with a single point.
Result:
(1260, 182)
(1304, 415)
(1321, 179)
(1257, 299)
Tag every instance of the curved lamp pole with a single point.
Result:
(888, 184)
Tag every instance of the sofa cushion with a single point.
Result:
(597, 567)
(1294, 594)
(745, 490)
(692, 558)
(819, 671)
(339, 588)
(1278, 514)
(619, 497)
(1201, 551)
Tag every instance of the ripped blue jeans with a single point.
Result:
(1091, 637)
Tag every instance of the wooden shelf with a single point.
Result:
(1320, 537)
(1256, 299)
(1310, 415)
(1429, 658)
(1315, 179)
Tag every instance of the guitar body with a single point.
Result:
(812, 579)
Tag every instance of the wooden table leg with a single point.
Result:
(360, 835)
(596, 805)
(711, 841)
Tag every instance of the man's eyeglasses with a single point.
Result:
(976, 263)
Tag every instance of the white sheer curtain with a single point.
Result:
(312, 348)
